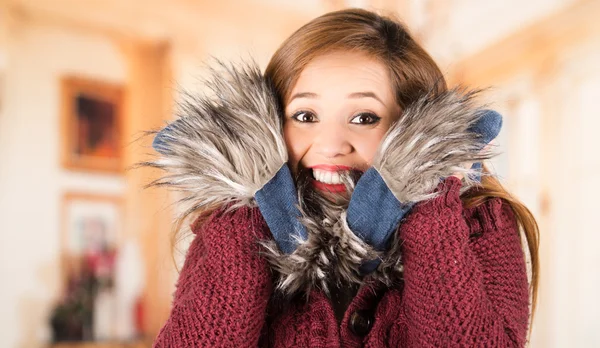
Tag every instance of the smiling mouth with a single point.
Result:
(329, 178)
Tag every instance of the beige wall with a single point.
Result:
(31, 180)
(546, 79)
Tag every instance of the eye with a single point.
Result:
(365, 118)
(304, 117)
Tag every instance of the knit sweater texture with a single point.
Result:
(465, 285)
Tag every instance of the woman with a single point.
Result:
(336, 203)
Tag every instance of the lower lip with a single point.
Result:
(333, 188)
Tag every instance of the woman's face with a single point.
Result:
(337, 114)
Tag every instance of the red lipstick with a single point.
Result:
(333, 188)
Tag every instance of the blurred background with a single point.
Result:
(84, 250)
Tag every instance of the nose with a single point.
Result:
(332, 142)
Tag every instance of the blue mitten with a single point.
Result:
(488, 126)
(427, 144)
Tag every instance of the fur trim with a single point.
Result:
(224, 147)
(330, 256)
(431, 141)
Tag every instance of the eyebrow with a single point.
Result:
(358, 95)
(308, 95)
(355, 95)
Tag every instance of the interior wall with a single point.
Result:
(456, 29)
(31, 180)
(574, 188)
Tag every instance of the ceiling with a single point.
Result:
(165, 19)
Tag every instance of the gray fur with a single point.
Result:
(225, 146)
(330, 256)
(431, 141)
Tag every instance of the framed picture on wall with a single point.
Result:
(91, 122)
(91, 232)
(90, 239)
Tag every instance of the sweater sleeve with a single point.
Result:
(224, 285)
(462, 291)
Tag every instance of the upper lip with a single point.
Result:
(331, 167)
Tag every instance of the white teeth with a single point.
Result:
(335, 178)
(318, 175)
(328, 177)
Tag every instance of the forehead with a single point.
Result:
(344, 72)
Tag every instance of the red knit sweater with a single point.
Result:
(465, 285)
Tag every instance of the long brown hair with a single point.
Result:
(413, 72)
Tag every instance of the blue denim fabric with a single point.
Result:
(161, 140)
(277, 203)
(374, 213)
(488, 126)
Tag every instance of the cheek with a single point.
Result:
(367, 145)
(297, 143)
